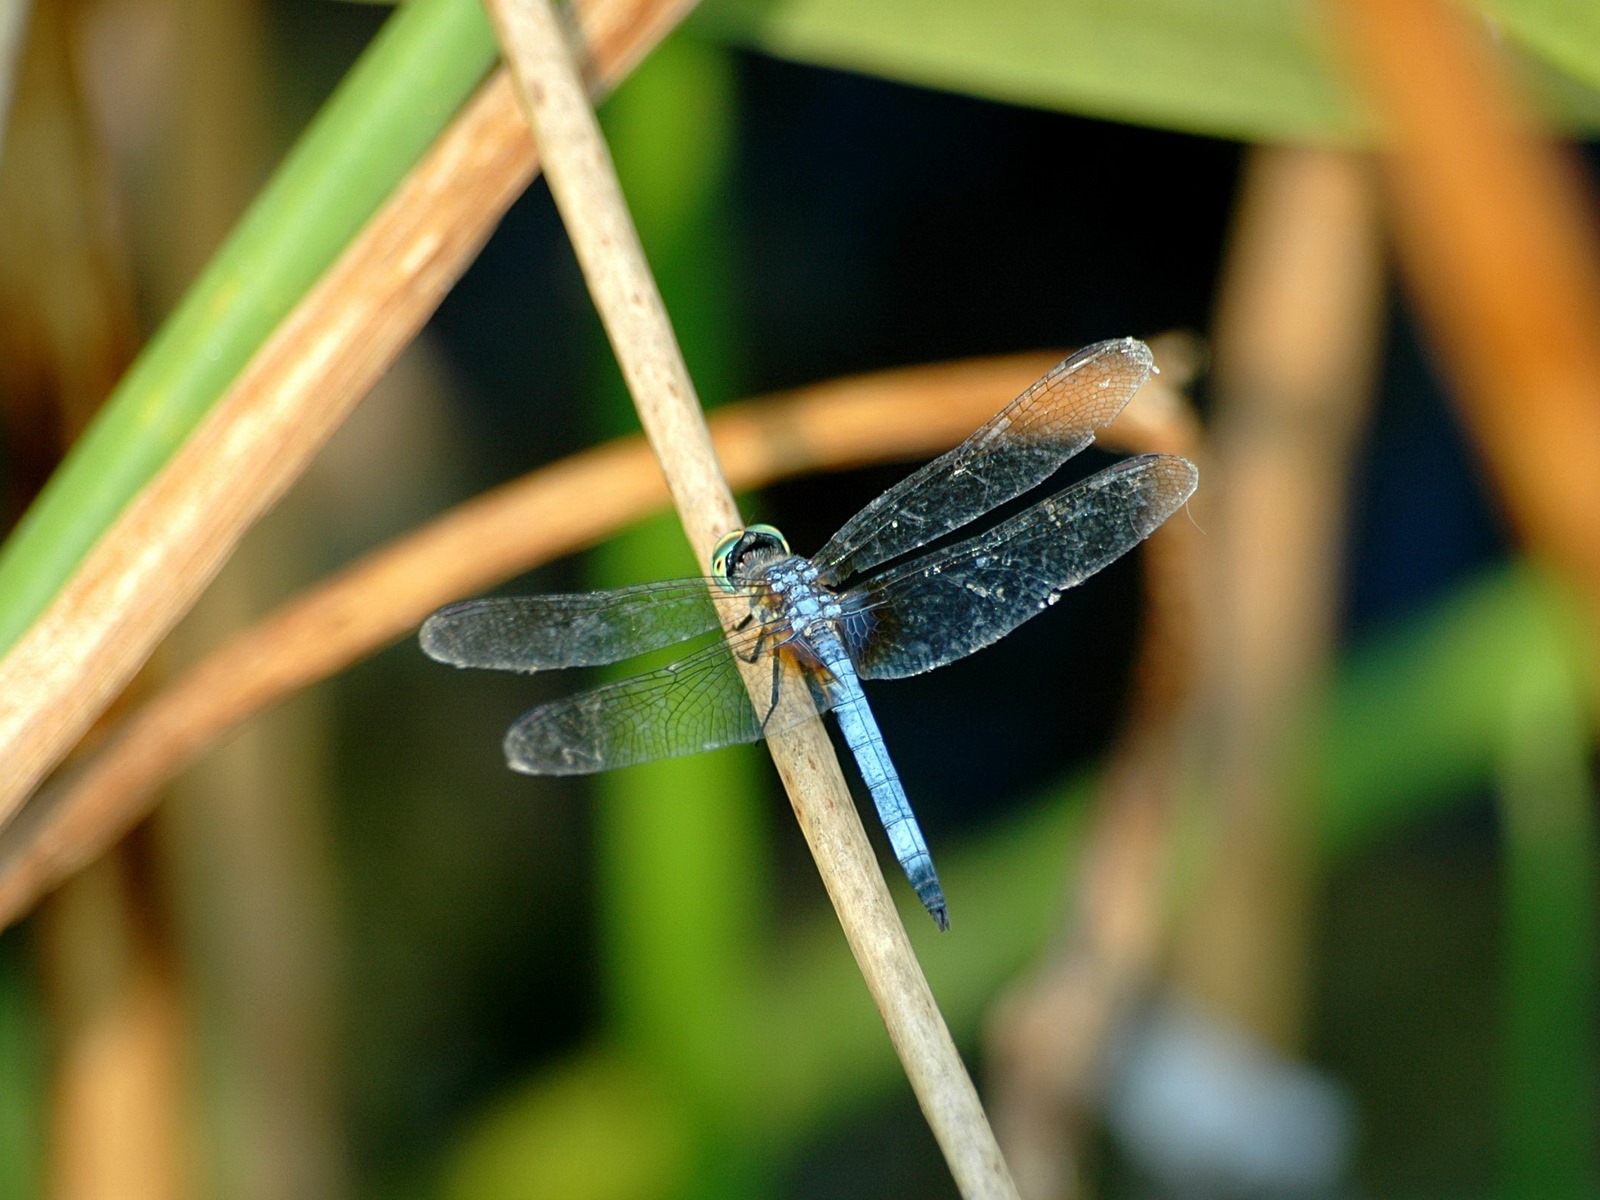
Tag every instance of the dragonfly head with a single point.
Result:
(742, 551)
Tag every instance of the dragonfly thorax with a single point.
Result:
(796, 594)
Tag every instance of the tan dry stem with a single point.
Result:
(117, 1115)
(1048, 1038)
(586, 191)
(1236, 635)
(1299, 317)
(13, 28)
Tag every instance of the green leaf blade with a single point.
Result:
(1251, 69)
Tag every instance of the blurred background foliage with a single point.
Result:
(352, 955)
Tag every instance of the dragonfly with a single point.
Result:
(865, 607)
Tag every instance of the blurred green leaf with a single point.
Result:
(1564, 32)
(594, 1128)
(1552, 956)
(1251, 69)
(1415, 718)
(681, 843)
(806, 1047)
(24, 1076)
(1258, 70)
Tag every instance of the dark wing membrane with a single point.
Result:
(948, 604)
(1017, 449)
(699, 703)
(538, 633)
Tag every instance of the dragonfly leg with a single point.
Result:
(777, 667)
(772, 707)
(755, 651)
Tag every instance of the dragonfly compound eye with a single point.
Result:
(720, 557)
(767, 539)
(733, 553)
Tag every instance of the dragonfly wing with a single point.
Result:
(698, 703)
(955, 601)
(1017, 449)
(538, 633)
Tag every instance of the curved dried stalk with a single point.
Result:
(909, 413)
(586, 191)
(1496, 232)
(1298, 326)
(1237, 635)
(1048, 1036)
(174, 536)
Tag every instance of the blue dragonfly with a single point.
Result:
(835, 625)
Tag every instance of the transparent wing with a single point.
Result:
(538, 633)
(1019, 447)
(699, 703)
(948, 604)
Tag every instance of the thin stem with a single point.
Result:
(1049, 1039)
(586, 191)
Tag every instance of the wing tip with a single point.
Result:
(1132, 348)
(1181, 478)
(543, 742)
(1188, 471)
(438, 636)
(431, 637)
(1117, 384)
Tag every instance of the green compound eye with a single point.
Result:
(769, 533)
(719, 559)
(731, 549)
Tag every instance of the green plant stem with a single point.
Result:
(1552, 895)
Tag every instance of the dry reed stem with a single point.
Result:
(176, 533)
(585, 187)
(1235, 640)
(118, 1120)
(908, 413)
(1299, 318)
(13, 28)
(1049, 1036)
(1497, 234)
